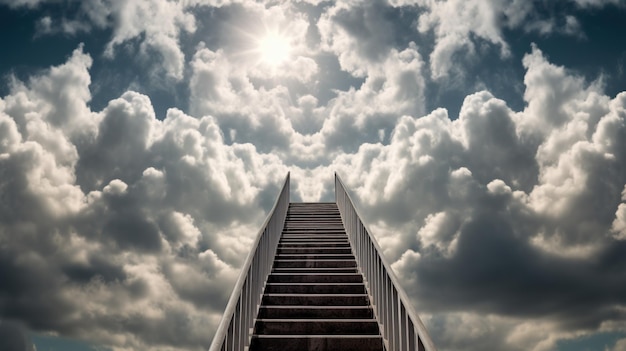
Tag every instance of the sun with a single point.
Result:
(274, 49)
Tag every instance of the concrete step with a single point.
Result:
(321, 235)
(315, 241)
(317, 238)
(303, 228)
(315, 288)
(317, 343)
(314, 263)
(300, 270)
(316, 327)
(313, 257)
(316, 299)
(314, 250)
(313, 244)
(315, 312)
(321, 221)
(314, 234)
(315, 278)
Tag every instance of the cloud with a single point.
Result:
(393, 88)
(596, 3)
(270, 120)
(455, 23)
(14, 337)
(117, 227)
(506, 225)
(161, 22)
(19, 3)
(145, 27)
(465, 30)
(619, 224)
(357, 35)
(620, 345)
(503, 213)
(221, 90)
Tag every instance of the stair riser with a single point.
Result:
(308, 327)
(315, 223)
(315, 239)
(315, 250)
(314, 264)
(317, 344)
(315, 289)
(301, 230)
(314, 236)
(315, 243)
(312, 244)
(315, 278)
(342, 238)
(308, 257)
(269, 312)
(316, 300)
(315, 270)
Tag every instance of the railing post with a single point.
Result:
(400, 325)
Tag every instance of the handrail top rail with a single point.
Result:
(222, 328)
(423, 333)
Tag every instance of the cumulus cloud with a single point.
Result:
(268, 118)
(357, 34)
(463, 29)
(118, 227)
(14, 337)
(454, 22)
(506, 226)
(392, 89)
(148, 26)
(516, 212)
(620, 345)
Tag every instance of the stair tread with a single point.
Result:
(329, 336)
(317, 284)
(315, 298)
(315, 307)
(321, 320)
(314, 273)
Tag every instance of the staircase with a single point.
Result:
(315, 298)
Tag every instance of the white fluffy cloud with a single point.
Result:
(156, 25)
(462, 28)
(357, 35)
(506, 227)
(268, 117)
(510, 207)
(130, 228)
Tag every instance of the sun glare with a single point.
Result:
(274, 49)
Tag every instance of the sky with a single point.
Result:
(142, 144)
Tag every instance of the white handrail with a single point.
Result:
(234, 330)
(400, 325)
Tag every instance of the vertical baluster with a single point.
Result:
(229, 336)
(381, 295)
(404, 342)
(387, 309)
(412, 335)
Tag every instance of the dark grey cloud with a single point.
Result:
(14, 337)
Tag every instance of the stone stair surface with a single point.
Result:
(315, 298)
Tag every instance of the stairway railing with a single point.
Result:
(233, 332)
(400, 325)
